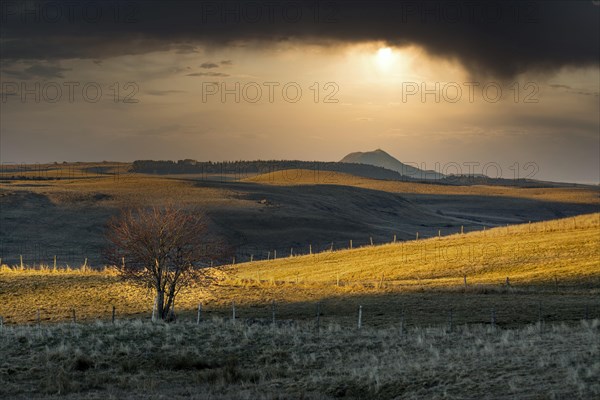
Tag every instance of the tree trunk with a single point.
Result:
(168, 310)
(160, 304)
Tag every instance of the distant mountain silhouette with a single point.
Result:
(380, 158)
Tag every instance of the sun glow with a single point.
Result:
(385, 57)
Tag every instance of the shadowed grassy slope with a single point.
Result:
(579, 195)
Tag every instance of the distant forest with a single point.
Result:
(250, 168)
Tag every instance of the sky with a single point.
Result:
(507, 88)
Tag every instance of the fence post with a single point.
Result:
(199, 317)
(439, 233)
(359, 317)
(394, 238)
(114, 311)
(268, 255)
(291, 252)
(21, 258)
(74, 316)
(465, 280)
(371, 239)
(251, 257)
(1, 323)
(54, 262)
(462, 229)
(540, 317)
(350, 243)
(587, 312)
(274, 254)
(273, 311)
(401, 321)
(318, 322)
(417, 236)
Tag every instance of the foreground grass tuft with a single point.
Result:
(219, 359)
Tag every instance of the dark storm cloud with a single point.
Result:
(37, 71)
(496, 38)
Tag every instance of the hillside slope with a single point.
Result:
(307, 177)
(567, 250)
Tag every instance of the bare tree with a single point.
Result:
(164, 249)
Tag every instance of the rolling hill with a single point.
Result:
(382, 159)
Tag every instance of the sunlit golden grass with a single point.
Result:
(308, 177)
(548, 256)
(566, 249)
(122, 190)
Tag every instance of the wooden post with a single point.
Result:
(54, 262)
(199, 317)
(85, 264)
(394, 238)
(251, 257)
(1, 323)
(318, 322)
(291, 252)
(331, 246)
(233, 311)
(462, 229)
(268, 255)
(273, 311)
(310, 249)
(274, 254)
(381, 282)
(74, 317)
(439, 233)
(21, 257)
(359, 317)
(540, 315)
(233, 261)
(371, 239)
(401, 321)
(417, 236)
(350, 243)
(465, 280)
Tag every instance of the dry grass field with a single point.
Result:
(553, 263)
(425, 333)
(582, 195)
(219, 359)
